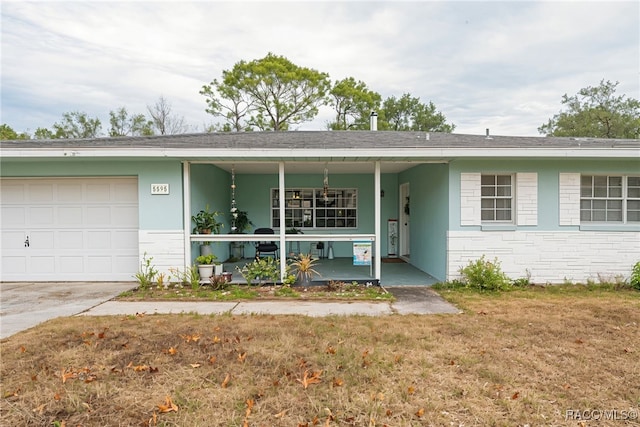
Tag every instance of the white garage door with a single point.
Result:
(69, 229)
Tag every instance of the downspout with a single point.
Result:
(377, 243)
(283, 231)
(186, 214)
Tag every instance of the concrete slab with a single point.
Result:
(419, 300)
(117, 308)
(25, 305)
(314, 309)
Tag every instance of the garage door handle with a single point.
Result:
(26, 242)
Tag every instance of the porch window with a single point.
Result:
(496, 198)
(312, 208)
(609, 198)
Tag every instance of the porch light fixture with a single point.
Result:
(234, 208)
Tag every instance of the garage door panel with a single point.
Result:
(12, 193)
(99, 240)
(126, 193)
(98, 192)
(98, 216)
(40, 193)
(39, 265)
(71, 240)
(70, 193)
(41, 240)
(124, 239)
(71, 264)
(99, 264)
(13, 265)
(70, 216)
(121, 215)
(13, 216)
(41, 216)
(78, 228)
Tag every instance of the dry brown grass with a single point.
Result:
(523, 357)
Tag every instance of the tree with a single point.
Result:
(596, 112)
(353, 103)
(409, 114)
(276, 92)
(73, 125)
(164, 121)
(238, 103)
(7, 133)
(124, 125)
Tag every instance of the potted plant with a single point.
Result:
(303, 267)
(205, 266)
(240, 223)
(206, 223)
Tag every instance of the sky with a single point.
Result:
(501, 65)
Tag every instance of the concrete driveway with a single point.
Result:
(25, 305)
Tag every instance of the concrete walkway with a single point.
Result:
(24, 305)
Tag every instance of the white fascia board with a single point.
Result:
(353, 153)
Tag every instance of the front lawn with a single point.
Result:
(526, 357)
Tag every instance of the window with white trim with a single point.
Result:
(313, 208)
(609, 198)
(496, 201)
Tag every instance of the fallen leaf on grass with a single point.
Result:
(337, 382)
(195, 365)
(172, 351)
(309, 378)
(515, 395)
(420, 412)
(225, 383)
(168, 406)
(411, 390)
(281, 413)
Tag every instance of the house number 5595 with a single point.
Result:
(159, 188)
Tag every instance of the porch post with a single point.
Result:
(283, 244)
(186, 214)
(377, 243)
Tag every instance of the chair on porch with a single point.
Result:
(266, 246)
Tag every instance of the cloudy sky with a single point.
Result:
(484, 64)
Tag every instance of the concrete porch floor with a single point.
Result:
(342, 269)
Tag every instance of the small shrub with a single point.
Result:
(485, 275)
(263, 269)
(147, 272)
(634, 280)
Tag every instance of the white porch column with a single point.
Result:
(186, 214)
(283, 243)
(377, 243)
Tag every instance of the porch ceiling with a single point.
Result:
(304, 167)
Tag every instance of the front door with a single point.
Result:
(405, 225)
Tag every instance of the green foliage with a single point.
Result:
(270, 93)
(206, 259)
(485, 275)
(7, 133)
(352, 102)
(206, 223)
(147, 272)
(240, 221)
(263, 269)
(124, 125)
(409, 114)
(74, 124)
(285, 291)
(303, 267)
(595, 112)
(634, 280)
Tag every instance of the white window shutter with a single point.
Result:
(527, 198)
(470, 199)
(569, 192)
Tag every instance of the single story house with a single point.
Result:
(553, 209)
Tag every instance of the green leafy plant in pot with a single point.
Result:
(205, 266)
(303, 267)
(206, 223)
